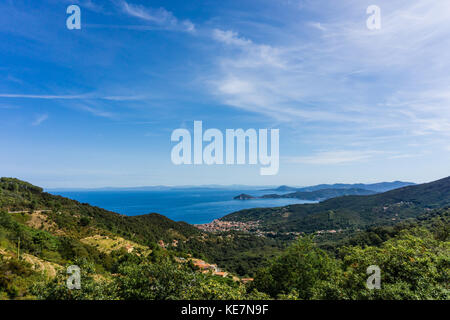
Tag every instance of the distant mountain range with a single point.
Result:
(327, 191)
(351, 212)
(376, 187)
(318, 195)
(163, 188)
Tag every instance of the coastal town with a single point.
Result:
(224, 226)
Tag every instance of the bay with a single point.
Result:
(194, 205)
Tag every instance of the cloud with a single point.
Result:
(125, 98)
(93, 103)
(252, 55)
(87, 4)
(72, 97)
(159, 16)
(188, 25)
(14, 79)
(317, 25)
(406, 156)
(39, 119)
(141, 12)
(97, 112)
(334, 157)
(230, 37)
(37, 96)
(389, 82)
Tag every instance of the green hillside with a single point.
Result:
(413, 259)
(28, 212)
(351, 212)
(79, 219)
(41, 234)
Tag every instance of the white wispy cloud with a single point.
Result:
(125, 98)
(406, 156)
(317, 25)
(97, 112)
(41, 96)
(141, 12)
(159, 16)
(14, 79)
(72, 97)
(334, 157)
(252, 54)
(392, 80)
(87, 4)
(230, 37)
(39, 119)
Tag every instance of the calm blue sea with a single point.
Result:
(190, 205)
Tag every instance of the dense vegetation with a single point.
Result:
(414, 259)
(240, 253)
(42, 234)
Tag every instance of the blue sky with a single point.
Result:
(96, 107)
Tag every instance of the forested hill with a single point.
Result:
(69, 215)
(324, 194)
(120, 257)
(317, 195)
(351, 211)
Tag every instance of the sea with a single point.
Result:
(191, 205)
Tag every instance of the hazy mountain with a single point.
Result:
(377, 187)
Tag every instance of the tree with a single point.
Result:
(303, 270)
(413, 265)
(84, 221)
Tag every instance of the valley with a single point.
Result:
(233, 257)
